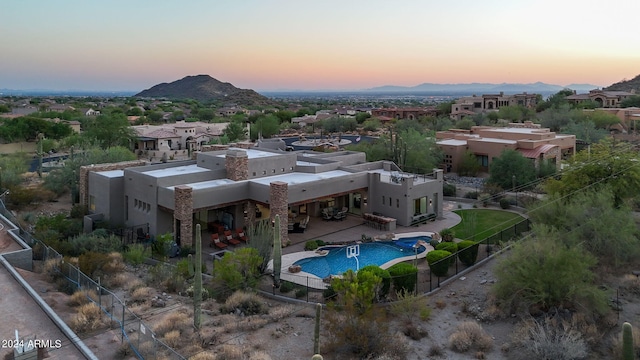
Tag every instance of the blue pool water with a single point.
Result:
(375, 253)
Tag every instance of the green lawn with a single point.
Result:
(483, 223)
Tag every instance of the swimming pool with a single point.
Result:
(335, 262)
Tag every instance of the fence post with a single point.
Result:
(122, 330)
(307, 289)
(99, 293)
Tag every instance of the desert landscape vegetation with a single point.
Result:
(560, 291)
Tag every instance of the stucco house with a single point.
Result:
(181, 136)
(471, 105)
(604, 98)
(234, 188)
(488, 143)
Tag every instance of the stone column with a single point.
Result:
(279, 205)
(250, 208)
(183, 211)
(237, 165)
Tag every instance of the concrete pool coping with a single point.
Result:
(315, 282)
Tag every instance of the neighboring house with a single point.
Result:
(180, 135)
(605, 99)
(90, 112)
(234, 188)
(488, 143)
(471, 105)
(229, 111)
(404, 113)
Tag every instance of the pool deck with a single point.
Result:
(352, 229)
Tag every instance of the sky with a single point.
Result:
(267, 45)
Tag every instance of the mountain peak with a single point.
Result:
(204, 88)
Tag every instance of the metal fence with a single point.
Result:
(143, 342)
(307, 288)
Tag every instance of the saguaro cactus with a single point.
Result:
(277, 252)
(627, 341)
(316, 332)
(197, 281)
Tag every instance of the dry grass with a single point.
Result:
(549, 339)
(259, 355)
(116, 280)
(50, 267)
(115, 263)
(247, 303)
(133, 284)
(87, 318)
(179, 320)
(142, 294)
(441, 304)
(281, 312)
(82, 297)
(203, 356)
(172, 338)
(229, 352)
(470, 335)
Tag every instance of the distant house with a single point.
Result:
(181, 135)
(408, 113)
(471, 105)
(488, 143)
(90, 112)
(604, 98)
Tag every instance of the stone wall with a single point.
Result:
(237, 165)
(84, 175)
(184, 213)
(279, 205)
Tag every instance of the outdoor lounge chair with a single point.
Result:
(327, 214)
(215, 241)
(241, 236)
(229, 238)
(303, 224)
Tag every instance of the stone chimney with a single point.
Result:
(237, 165)
(279, 205)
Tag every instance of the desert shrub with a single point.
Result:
(286, 286)
(549, 339)
(447, 234)
(172, 338)
(470, 335)
(91, 262)
(415, 332)
(504, 203)
(247, 303)
(135, 254)
(434, 242)
(165, 277)
(238, 270)
(329, 293)
(301, 292)
(385, 285)
(410, 306)
(114, 264)
(310, 245)
(162, 245)
(229, 352)
(438, 266)
(178, 320)
(471, 195)
(22, 196)
(88, 317)
(84, 243)
(404, 277)
(468, 252)
(83, 296)
(141, 294)
(205, 355)
(449, 190)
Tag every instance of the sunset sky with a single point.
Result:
(315, 45)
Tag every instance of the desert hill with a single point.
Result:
(206, 89)
(626, 85)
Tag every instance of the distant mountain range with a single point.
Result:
(204, 88)
(484, 88)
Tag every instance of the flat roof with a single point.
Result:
(494, 140)
(253, 153)
(206, 184)
(519, 130)
(177, 170)
(454, 142)
(306, 163)
(112, 173)
(301, 178)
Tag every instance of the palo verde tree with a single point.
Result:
(545, 273)
(608, 163)
(109, 130)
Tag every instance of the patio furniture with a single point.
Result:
(303, 224)
(215, 241)
(229, 238)
(241, 236)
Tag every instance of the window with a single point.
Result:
(389, 201)
(92, 203)
(483, 160)
(383, 200)
(398, 203)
